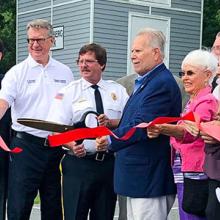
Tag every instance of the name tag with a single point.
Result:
(60, 81)
(82, 104)
(30, 81)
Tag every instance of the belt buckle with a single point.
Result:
(100, 156)
(46, 143)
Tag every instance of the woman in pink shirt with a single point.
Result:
(198, 70)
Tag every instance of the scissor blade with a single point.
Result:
(44, 125)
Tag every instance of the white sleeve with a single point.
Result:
(216, 92)
(8, 91)
(89, 146)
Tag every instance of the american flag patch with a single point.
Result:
(59, 96)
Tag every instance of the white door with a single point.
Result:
(140, 21)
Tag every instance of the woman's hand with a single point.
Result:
(217, 117)
(192, 128)
(208, 139)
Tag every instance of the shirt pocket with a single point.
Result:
(113, 111)
(82, 105)
(79, 108)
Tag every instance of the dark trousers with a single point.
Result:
(3, 182)
(88, 188)
(184, 215)
(213, 206)
(35, 169)
(5, 132)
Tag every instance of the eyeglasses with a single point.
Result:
(38, 40)
(187, 73)
(86, 62)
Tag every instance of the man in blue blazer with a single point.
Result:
(143, 170)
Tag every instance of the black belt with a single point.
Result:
(99, 156)
(31, 138)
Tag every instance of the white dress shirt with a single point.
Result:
(216, 92)
(78, 97)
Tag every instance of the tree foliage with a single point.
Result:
(8, 32)
(211, 21)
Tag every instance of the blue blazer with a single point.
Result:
(143, 165)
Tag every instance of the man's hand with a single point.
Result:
(102, 143)
(153, 131)
(103, 120)
(3, 107)
(78, 150)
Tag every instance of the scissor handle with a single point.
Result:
(82, 122)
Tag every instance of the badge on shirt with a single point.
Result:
(81, 100)
(113, 95)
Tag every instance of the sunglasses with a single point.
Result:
(187, 73)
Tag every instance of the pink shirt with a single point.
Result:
(191, 148)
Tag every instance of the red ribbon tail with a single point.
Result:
(16, 150)
(6, 148)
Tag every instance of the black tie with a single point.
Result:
(98, 99)
(99, 108)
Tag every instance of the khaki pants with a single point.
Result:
(149, 208)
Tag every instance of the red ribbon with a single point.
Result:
(5, 147)
(85, 133)
(90, 133)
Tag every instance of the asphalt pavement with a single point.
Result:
(35, 215)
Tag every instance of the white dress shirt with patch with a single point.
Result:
(78, 97)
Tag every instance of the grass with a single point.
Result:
(37, 200)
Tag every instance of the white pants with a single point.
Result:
(156, 208)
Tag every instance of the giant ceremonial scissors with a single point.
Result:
(55, 127)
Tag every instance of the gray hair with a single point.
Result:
(157, 38)
(203, 59)
(41, 23)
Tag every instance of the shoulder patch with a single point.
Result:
(112, 81)
(59, 96)
(72, 83)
